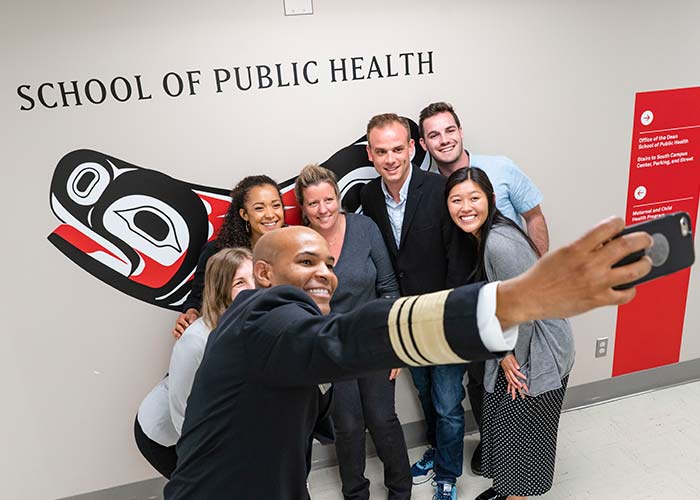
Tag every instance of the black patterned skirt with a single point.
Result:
(519, 439)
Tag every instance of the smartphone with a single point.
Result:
(672, 249)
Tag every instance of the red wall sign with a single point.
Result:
(664, 178)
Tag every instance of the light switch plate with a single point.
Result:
(298, 7)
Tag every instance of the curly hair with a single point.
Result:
(233, 232)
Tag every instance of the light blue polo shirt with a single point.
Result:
(515, 192)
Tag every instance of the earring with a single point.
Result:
(247, 227)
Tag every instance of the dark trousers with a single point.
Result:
(368, 403)
(162, 458)
(440, 392)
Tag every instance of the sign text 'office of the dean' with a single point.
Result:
(173, 84)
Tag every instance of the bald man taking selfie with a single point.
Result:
(254, 403)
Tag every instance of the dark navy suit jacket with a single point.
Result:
(422, 260)
(254, 400)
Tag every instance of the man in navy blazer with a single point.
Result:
(409, 207)
(254, 401)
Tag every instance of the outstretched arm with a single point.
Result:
(575, 278)
(289, 343)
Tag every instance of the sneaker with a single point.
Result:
(445, 491)
(422, 470)
(489, 494)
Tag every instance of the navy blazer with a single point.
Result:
(254, 400)
(422, 261)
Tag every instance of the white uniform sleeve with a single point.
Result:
(492, 335)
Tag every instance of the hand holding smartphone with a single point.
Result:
(672, 249)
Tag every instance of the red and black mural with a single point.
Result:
(141, 231)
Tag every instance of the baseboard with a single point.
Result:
(576, 397)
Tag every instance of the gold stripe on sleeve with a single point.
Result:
(407, 339)
(395, 336)
(428, 329)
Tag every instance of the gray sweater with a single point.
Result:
(364, 268)
(545, 348)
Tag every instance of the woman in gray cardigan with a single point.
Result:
(525, 389)
(364, 271)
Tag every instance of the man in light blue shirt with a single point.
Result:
(517, 197)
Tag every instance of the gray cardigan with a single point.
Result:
(545, 348)
(364, 268)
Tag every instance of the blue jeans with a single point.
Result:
(440, 392)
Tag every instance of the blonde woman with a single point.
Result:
(159, 420)
(364, 271)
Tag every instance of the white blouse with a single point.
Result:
(162, 412)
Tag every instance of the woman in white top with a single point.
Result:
(160, 416)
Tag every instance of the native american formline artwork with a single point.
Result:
(141, 231)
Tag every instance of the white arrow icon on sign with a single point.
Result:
(640, 192)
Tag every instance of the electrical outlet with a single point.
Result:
(601, 347)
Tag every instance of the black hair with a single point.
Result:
(494, 217)
(234, 232)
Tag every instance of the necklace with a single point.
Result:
(334, 240)
(340, 234)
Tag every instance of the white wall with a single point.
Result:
(549, 83)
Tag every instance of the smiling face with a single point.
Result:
(263, 210)
(321, 206)
(243, 279)
(443, 139)
(468, 205)
(390, 149)
(300, 257)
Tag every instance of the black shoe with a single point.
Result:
(476, 461)
(490, 494)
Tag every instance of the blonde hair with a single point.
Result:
(311, 175)
(218, 278)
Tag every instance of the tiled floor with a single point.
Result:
(642, 447)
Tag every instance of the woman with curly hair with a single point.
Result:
(256, 208)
